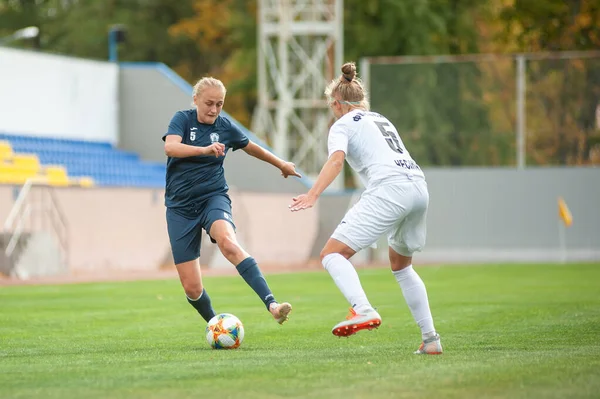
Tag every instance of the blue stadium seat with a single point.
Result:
(106, 164)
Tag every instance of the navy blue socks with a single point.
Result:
(248, 269)
(203, 305)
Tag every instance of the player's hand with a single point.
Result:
(289, 169)
(216, 149)
(302, 202)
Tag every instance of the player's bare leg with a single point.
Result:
(222, 232)
(362, 316)
(191, 281)
(415, 294)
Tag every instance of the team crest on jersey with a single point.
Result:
(214, 137)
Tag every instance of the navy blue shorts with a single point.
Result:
(185, 227)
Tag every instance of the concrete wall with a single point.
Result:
(491, 215)
(148, 100)
(475, 215)
(125, 229)
(496, 215)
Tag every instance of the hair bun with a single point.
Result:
(349, 71)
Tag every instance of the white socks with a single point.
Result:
(345, 277)
(415, 295)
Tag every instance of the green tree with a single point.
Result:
(437, 108)
(80, 28)
(562, 95)
(225, 37)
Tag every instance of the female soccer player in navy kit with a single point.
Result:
(394, 203)
(196, 143)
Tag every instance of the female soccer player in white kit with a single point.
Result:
(394, 202)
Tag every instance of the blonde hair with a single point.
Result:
(348, 88)
(207, 82)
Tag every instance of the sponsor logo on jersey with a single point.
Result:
(407, 164)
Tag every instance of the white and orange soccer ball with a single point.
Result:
(224, 331)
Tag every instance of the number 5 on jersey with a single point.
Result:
(390, 137)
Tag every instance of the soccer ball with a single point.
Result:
(224, 331)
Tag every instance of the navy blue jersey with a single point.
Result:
(191, 180)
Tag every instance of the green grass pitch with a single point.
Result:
(509, 331)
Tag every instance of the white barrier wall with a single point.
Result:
(133, 236)
(57, 96)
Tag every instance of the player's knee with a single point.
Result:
(324, 253)
(193, 289)
(345, 254)
(399, 261)
(229, 247)
(401, 264)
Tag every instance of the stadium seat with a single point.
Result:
(26, 162)
(82, 163)
(86, 182)
(56, 176)
(15, 174)
(5, 150)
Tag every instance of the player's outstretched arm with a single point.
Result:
(329, 172)
(287, 168)
(174, 148)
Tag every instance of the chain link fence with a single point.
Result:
(492, 110)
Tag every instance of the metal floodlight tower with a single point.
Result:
(300, 51)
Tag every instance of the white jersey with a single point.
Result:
(373, 148)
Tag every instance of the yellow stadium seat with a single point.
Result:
(5, 178)
(86, 182)
(5, 150)
(58, 181)
(6, 168)
(26, 162)
(56, 171)
(13, 179)
(18, 168)
(57, 176)
(11, 174)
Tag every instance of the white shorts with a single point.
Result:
(398, 209)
